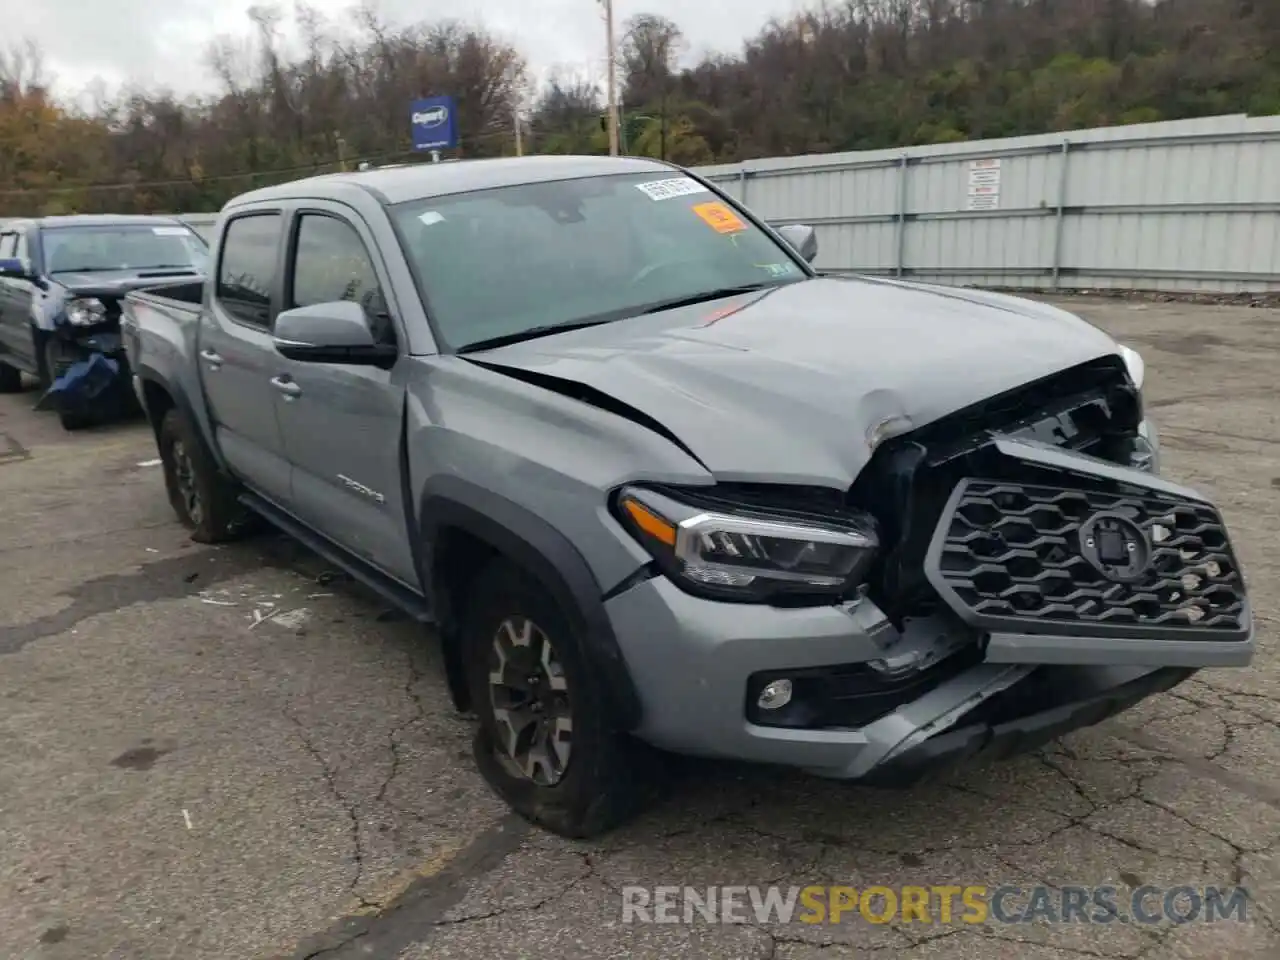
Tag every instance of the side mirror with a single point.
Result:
(15, 268)
(803, 237)
(336, 332)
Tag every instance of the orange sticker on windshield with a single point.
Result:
(719, 217)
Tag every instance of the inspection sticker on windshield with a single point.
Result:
(666, 189)
(170, 231)
(430, 217)
(719, 217)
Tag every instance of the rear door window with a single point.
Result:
(247, 270)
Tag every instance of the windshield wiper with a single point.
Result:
(717, 294)
(613, 315)
(86, 270)
(532, 333)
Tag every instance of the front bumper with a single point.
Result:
(1047, 704)
(692, 661)
(80, 380)
(1043, 634)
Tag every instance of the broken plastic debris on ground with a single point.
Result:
(82, 381)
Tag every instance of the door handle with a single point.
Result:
(287, 387)
(214, 360)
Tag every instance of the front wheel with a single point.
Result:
(545, 743)
(203, 498)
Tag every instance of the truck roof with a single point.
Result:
(420, 181)
(90, 220)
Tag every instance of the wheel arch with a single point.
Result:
(463, 527)
(160, 394)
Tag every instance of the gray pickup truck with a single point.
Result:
(660, 484)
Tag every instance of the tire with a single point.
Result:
(74, 421)
(10, 379)
(48, 361)
(605, 777)
(203, 498)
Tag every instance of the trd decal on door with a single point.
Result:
(361, 489)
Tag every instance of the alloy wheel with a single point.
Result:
(529, 695)
(184, 476)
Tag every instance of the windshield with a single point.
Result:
(132, 247)
(497, 263)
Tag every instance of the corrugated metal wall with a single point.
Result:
(1189, 205)
(1186, 206)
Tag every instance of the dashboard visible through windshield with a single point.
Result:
(496, 263)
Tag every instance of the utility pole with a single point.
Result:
(613, 89)
(515, 118)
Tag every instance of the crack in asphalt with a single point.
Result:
(350, 807)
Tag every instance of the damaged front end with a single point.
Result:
(990, 581)
(1031, 526)
(84, 363)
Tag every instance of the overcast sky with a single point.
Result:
(161, 42)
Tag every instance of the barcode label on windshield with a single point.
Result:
(666, 189)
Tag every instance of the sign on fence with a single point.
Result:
(434, 123)
(984, 184)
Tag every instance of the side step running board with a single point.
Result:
(390, 590)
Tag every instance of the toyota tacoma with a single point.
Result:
(661, 486)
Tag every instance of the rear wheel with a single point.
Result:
(545, 743)
(10, 379)
(203, 498)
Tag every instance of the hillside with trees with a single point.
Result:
(847, 75)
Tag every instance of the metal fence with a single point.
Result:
(1179, 206)
(1189, 205)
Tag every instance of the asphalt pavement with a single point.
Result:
(235, 752)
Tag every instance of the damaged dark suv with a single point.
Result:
(61, 282)
(659, 483)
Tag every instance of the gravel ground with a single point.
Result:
(232, 753)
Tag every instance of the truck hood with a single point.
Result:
(799, 383)
(113, 285)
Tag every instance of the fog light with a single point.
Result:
(775, 695)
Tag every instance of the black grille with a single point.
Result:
(1015, 557)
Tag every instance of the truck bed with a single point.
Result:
(184, 297)
(160, 326)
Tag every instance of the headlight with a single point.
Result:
(1134, 364)
(85, 312)
(750, 554)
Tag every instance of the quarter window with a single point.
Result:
(8, 245)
